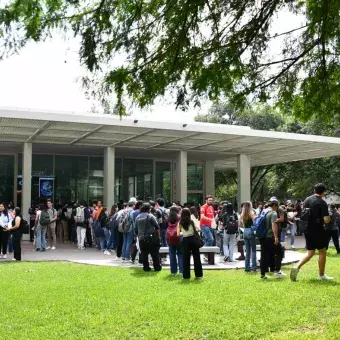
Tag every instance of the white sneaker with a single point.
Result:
(13, 259)
(4, 256)
(293, 247)
(279, 274)
(326, 278)
(107, 252)
(53, 248)
(82, 248)
(48, 248)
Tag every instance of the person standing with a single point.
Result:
(186, 229)
(64, 226)
(4, 234)
(271, 251)
(247, 218)
(147, 230)
(42, 221)
(51, 228)
(332, 228)
(207, 220)
(315, 211)
(15, 230)
(129, 230)
(81, 220)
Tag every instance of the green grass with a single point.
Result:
(62, 300)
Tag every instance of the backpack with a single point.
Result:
(80, 215)
(230, 224)
(124, 222)
(44, 219)
(259, 227)
(164, 217)
(24, 226)
(171, 235)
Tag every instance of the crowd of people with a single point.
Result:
(140, 229)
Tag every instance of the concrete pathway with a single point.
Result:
(91, 256)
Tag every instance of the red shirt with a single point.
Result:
(207, 213)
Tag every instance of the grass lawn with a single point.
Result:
(62, 300)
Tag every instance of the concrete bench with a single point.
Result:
(209, 251)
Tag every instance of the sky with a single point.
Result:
(44, 76)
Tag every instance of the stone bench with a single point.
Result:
(209, 251)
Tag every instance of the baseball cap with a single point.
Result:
(274, 200)
(133, 200)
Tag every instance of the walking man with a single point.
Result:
(316, 211)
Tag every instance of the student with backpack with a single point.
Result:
(174, 242)
(163, 224)
(41, 223)
(229, 221)
(82, 222)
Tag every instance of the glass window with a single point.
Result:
(43, 185)
(6, 178)
(163, 181)
(195, 176)
(141, 170)
(96, 179)
(195, 199)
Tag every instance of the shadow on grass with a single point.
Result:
(139, 272)
(323, 282)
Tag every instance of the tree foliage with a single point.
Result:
(195, 49)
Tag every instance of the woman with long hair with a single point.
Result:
(247, 218)
(230, 224)
(4, 234)
(186, 228)
(16, 233)
(174, 242)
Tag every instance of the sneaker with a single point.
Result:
(326, 278)
(279, 274)
(132, 261)
(53, 248)
(13, 259)
(293, 247)
(48, 248)
(226, 258)
(106, 252)
(43, 249)
(4, 256)
(264, 277)
(82, 248)
(38, 249)
(293, 274)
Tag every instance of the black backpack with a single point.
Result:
(24, 226)
(230, 223)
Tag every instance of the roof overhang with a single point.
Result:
(202, 141)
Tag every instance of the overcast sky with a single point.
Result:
(39, 78)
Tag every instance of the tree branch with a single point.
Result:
(269, 168)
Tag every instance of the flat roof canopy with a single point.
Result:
(85, 133)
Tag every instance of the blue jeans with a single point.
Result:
(209, 238)
(105, 239)
(176, 259)
(40, 237)
(291, 228)
(127, 243)
(250, 243)
(164, 243)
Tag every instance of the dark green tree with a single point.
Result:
(194, 48)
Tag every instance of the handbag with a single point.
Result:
(197, 239)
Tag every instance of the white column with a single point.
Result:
(109, 177)
(243, 179)
(209, 175)
(26, 199)
(182, 177)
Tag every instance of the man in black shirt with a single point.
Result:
(316, 235)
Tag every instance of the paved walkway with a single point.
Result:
(91, 256)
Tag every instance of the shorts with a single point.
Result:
(316, 241)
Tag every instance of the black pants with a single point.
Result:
(119, 244)
(153, 250)
(32, 223)
(4, 235)
(89, 237)
(188, 248)
(271, 255)
(334, 235)
(16, 238)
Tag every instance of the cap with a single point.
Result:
(133, 200)
(274, 200)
